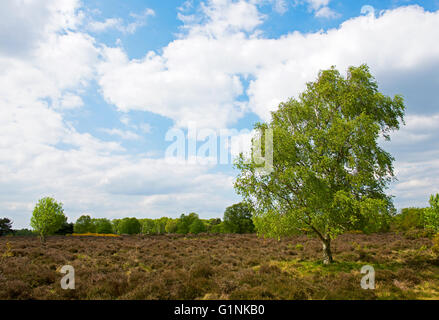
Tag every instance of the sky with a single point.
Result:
(94, 95)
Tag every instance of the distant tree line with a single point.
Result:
(48, 218)
(237, 218)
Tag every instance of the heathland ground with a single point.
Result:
(206, 266)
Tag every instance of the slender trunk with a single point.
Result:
(327, 254)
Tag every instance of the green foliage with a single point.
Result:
(185, 221)
(214, 225)
(238, 219)
(431, 214)
(148, 226)
(24, 232)
(102, 226)
(160, 225)
(66, 228)
(130, 226)
(84, 224)
(217, 228)
(197, 227)
(116, 223)
(435, 247)
(329, 172)
(5, 226)
(171, 226)
(409, 218)
(47, 217)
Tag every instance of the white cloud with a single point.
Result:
(280, 6)
(205, 72)
(320, 8)
(126, 135)
(140, 20)
(317, 4)
(41, 154)
(23, 24)
(70, 101)
(145, 127)
(198, 77)
(326, 12)
(403, 56)
(110, 23)
(219, 17)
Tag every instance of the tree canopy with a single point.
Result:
(47, 217)
(84, 224)
(431, 214)
(129, 226)
(5, 226)
(329, 171)
(238, 219)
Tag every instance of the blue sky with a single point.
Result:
(89, 90)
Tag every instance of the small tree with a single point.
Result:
(5, 226)
(48, 216)
(329, 171)
(238, 219)
(431, 214)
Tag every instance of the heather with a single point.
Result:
(222, 266)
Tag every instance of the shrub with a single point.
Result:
(409, 218)
(435, 247)
(431, 219)
(217, 228)
(24, 232)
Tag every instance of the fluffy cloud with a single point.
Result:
(205, 70)
(191, 69)
(127, 135)
(219, 68)
(118, 23)
(42, 154)
(23, 24)
(320, 8)
(208, 66)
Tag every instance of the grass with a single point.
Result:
(217, 267)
